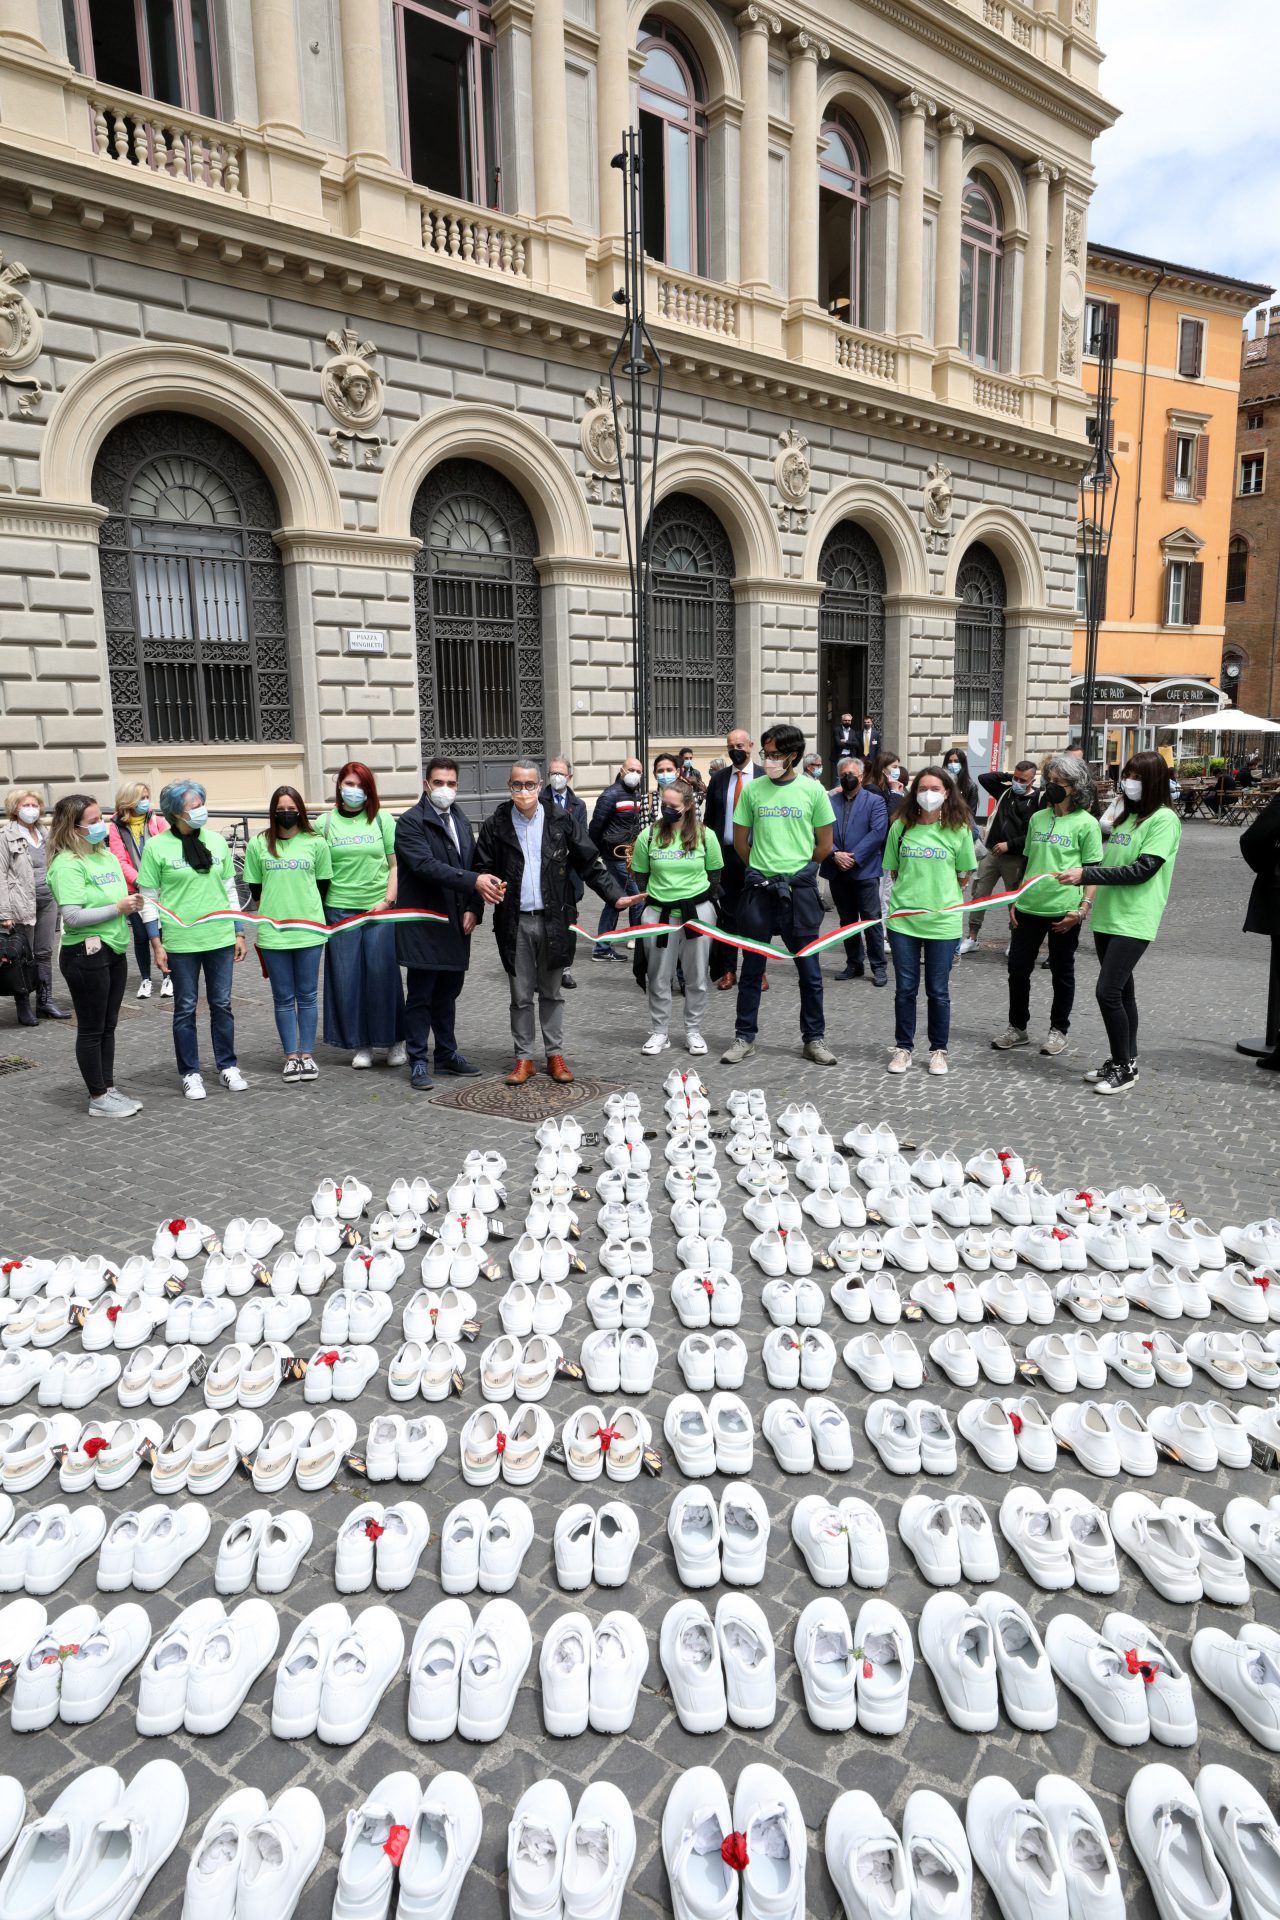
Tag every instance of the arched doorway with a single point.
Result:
(850, 629)
(693, 619)
(192, 586)
(979, 652)
(478, 616)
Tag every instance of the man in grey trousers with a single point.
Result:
(526, 856)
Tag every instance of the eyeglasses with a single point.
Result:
(523, 786)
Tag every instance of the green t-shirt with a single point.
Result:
(1135, 911)
(928, 865)
(288, 881)
(1055, 841)
(188, 893)
(362, 851)
(675, 873)
(783, 818)
(93, 879)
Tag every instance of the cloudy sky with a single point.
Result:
(1191, 172)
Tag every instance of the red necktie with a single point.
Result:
(737, 791)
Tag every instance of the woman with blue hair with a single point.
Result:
(184, 875)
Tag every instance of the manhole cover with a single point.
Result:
(14, 1063)
(538, 1099)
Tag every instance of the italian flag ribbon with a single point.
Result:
(375, 915)
(1007, 897)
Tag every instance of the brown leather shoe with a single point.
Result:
(764, 983)
(726, 981)
(558, 1068)
(523, 1070)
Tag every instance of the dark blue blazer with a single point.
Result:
(432, 873)
(861, 828)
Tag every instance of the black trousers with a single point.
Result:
(858, 899)
(725, 959)
(1025, 942)
(1117, 1001)
(96, 983)
(430, 1002)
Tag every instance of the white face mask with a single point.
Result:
(28, 815)
(1131, 789)
(929, 799)
(558, 782)
(895, 773)
(631, 780)
(442, 798)
(774, 767)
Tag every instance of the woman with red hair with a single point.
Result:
(363, 994)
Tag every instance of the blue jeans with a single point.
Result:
(294, 973)
(363, 997)
(910, 956)
(608, 914)
(217, 965)
(763, 912)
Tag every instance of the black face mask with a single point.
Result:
(850, 782)
(1054, 794)
(285, 821)
(739, 756)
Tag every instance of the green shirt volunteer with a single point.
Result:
(1055, 841)
(189, 893)
(929, 865)
(675, 872)
(362, 851)
(784, 818)
(92, 879)
(1135, 911)
(288, 880)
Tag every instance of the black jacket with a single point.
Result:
(1011, 815)
(617, 818)
(1260, 845)
(432, 873)
(578, 809)
(719, 788)
(566, 852)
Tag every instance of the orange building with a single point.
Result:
(1173, 428)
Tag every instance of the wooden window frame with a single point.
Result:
(188, 81)
(1252, 455)
(478, 29)
(1200, 324)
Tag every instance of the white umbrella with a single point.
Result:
(1229, 720)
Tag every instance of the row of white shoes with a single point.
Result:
(95, 1851)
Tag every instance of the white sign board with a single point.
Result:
(366, 640)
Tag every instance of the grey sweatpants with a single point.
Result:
(692, 952)
(532, 977)
(996, 871)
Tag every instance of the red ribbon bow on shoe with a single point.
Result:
(11, 1266)
(1147, 1668)
(1261, 1280)
(1059, 1233)
(374, 1529)
(606, 1435)
(950, 1285)
(733, 1851)
(1015, 1421)
(92, 1448)
(176, 1227)
(329, 1359)
(1150, 1345)
(500, 1442)
(113, 1314)
(708, 1287)
(396, 1842)
(1086, 1197)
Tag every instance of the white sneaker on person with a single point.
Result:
(1056, 1043)
(899, 1061)
(166, 988)
(656, 1043)
(233, 1080)
(938, 1062)
(397, 1054)
(968, 945)
(193, 1086)
(695, 1043)
(144, 990)
(363, 1057)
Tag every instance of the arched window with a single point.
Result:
(842, 222)
(981, 272)
(673, 126)
(693, 621)
(479, 626)
(979, 662)
(449, 99)
(851, 623)
(1237, 569)
(192, 585)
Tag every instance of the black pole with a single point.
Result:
(635, 364)
(1259, 1049)
(1098, 490)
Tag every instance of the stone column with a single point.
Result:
(275, 66)
(1033, 295)
(802, 254)
(550, 131)
(754, 28)
(20, 25)
(954, 132)
(914, 109)
(363, 81)
(613, 108)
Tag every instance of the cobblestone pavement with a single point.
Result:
(1203, 1124)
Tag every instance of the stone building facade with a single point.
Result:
(1251, 648)
(305, 455)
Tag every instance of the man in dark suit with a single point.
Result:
(870, 742)
(845, 739)
(854, 865)
(434, 852)
(559, 791)
(723, 789)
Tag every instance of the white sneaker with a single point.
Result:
(229, 1659)
(564, 1669)
(505, 1539)
(1037, 1532)
(218, 1854)
(690, 1655)
(121, 1849)
(280, 1853)
(1243, 1835)
(233, 1080)
(1167, 1833)
(1160, 1544)
(767, 1813)
(1013, 1844)
(536, 1840)
(435, 1670)
(955, 1643)
(894, 1432)
(1089, 1541)
(193, 1087)
(1111, 1691)
(927, 1528)
(442, 1845)
(366, 1874)
(690, 1436)
(497, 1656)
(696, 1824)
(361, 1666)
(1170, 1701)
(787, 1431)
(1027, 1689)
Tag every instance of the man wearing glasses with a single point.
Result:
(526, 856)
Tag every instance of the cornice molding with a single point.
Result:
(300, 546)
(578, 570)
(24, 517)
(759, 590)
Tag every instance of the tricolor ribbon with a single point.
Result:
(375, 915)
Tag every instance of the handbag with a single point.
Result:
(17, 964)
